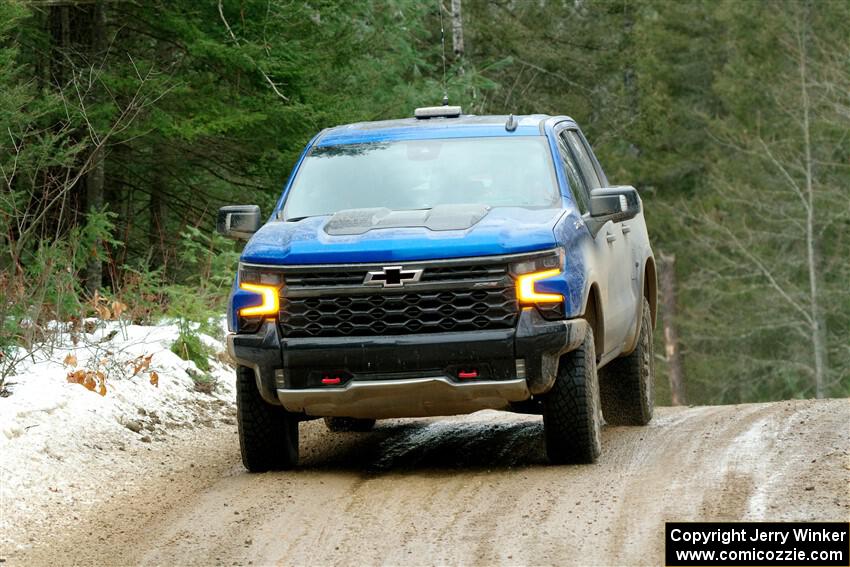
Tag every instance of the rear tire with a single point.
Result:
(627, 384)
(572, 422)
(268, 435)
(338, 424)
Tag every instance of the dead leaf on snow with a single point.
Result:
(155, 379)
(89, 382)
(77, 376)
(142, 363)
(70, 360)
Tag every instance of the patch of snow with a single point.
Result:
(51, 429)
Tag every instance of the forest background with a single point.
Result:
(124, 125)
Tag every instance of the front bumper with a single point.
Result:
(411, 397)
(408, 375)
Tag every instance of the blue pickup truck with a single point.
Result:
(440, 265)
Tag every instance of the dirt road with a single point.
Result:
(470, 490)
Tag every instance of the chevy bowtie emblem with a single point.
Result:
(392, 276)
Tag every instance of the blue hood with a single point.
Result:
(502, 230)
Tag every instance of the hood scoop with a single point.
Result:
(441, 217)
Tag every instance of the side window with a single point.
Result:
(600, 174)
(584, 160)
(577, 187)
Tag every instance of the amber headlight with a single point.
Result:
(528, 273)
(526, 293)
(257, 298)
(270, 300)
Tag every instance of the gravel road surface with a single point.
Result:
(464, 490)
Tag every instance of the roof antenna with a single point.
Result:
(443, 43)
(512, 123)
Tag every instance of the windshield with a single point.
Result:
(420, 174)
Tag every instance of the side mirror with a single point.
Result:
(618, 203)
(238, 221)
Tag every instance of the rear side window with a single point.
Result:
(578, 189)
(584, 160)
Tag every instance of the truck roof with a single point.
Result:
(463, 126)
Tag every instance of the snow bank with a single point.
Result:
(53, 431)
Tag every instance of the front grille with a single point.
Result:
(353, 277)
(398, 313)
(460, 296)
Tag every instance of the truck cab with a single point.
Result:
(440, 265)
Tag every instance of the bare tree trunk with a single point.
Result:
(94, 201)
(667, 265)
(65, 16)
(627, 53)
(457, 29)
(158, 209)
(630, 79)
(94, 178)
(156, 234)
(818, 333)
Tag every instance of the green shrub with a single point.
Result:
(43, 283)
(142, 290)
(188, 346)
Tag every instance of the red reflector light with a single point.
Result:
(467, 374)
(329, 380)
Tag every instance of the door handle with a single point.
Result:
(610, 237)
(626, 229)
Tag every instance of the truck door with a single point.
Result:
(602, 250)
(613, 237)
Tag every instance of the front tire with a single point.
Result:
(344, 424)
(268, 434)
(572, 422)
(627, 384)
